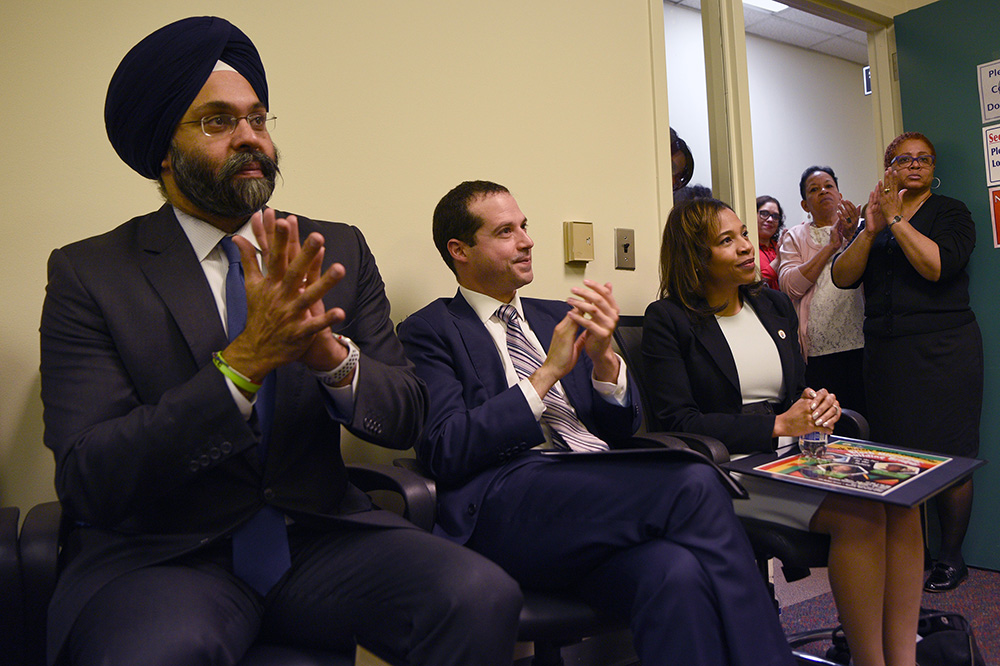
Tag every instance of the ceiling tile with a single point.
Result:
(856, 36)
(752, 15)
(846, 49)
(787, 32)
(812, 21)
(802, 29)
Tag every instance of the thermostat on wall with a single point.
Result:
(578, 240)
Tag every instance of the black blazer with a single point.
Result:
(153, 458)
(477, 427)
(694, 386)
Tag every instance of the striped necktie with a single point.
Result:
(261, 554)
(567, 430)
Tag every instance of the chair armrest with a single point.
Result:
(39, 549)
(707, 446)
(39, 546)
(11, 590)
(416, 467)
(852, 424)
(419, 501)
(694, 448)
(798, 550)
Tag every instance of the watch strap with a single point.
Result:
(346, 367)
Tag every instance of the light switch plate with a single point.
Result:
(625, 249)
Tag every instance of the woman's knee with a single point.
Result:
(840, 514)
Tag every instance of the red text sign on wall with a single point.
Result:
(991, 144)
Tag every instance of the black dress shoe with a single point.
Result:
(945, 577)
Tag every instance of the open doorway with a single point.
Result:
(807, 99)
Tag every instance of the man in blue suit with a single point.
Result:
(654, 541)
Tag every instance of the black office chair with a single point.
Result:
(39, 544)
(11, 591)
(798, 550)
(549, 620)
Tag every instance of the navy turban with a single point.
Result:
(159, 78)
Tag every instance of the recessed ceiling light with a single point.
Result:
(766, 5)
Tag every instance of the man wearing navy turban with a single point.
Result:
(197, 364)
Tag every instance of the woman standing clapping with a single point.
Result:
(923, 348)
(829, 318)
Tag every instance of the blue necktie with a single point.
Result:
(559, 415)
(260, 546)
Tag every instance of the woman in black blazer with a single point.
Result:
(726, 352)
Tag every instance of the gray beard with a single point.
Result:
(220, 193)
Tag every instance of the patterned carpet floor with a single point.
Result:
(978, 599)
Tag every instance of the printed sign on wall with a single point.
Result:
(989, 90)
(991, 144)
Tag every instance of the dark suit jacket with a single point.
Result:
(153, 457)
(696, 387)
(477, 427)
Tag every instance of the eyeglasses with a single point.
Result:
(225, 123)
(923, 161)
(768, 215)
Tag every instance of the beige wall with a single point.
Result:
(382, 106)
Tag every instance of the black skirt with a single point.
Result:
(925, 391)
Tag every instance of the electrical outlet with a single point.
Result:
(625, 249)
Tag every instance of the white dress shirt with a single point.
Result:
(485, 308)
(758, 364)
(204, 239)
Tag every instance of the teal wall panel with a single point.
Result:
(939, 48)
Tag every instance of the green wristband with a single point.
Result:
(242, 382)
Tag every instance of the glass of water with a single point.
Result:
(812, 445)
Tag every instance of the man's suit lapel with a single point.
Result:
(478, 345)
(169, 262)
(541, 322)
(482, 351)
(543, 325)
